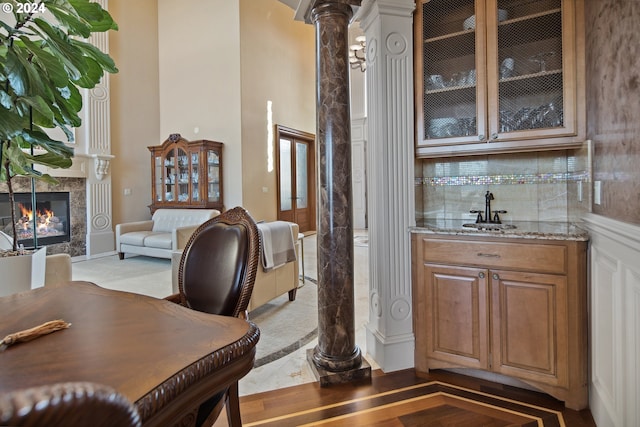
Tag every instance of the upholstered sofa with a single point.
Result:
(167, 230)
(269, 284)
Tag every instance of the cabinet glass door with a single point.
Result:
(213, 174)
(526, 51)
(195, 173)
(453, 71)
(183, 176)
(169, 176)
(157, 164)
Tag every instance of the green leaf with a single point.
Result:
(16, 74)
(105, 61)
(52, 146)
(70, 21)
(100, 19)
(93, 75)
(48, 62)
(39, 105)
(3, 51)
(11, 124)
(5, 100)
(60, 45)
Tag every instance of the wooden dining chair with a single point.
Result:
(216, 275)
(78, 404)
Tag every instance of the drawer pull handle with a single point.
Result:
(488, 255)
(481, 275)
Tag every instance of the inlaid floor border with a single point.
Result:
(349, 412)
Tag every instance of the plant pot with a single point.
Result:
(22, 272)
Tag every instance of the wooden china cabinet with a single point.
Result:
(186, 174)
(497, 76)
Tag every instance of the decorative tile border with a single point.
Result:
(542, 178)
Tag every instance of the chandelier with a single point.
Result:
(356, 54)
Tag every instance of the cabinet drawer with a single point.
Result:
(522, 256)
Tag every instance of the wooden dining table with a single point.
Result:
(165, 358)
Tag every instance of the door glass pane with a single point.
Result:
(285, 175)
(301, 175)
(449, 34)
(530, 65)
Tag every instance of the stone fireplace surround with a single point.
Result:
(76, 187)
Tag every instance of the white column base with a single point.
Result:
(391, 353)
(100, 243)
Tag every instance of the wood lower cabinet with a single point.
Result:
(516, 307)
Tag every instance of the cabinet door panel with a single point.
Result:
(457, 315)
(530, 328)
(451, 93)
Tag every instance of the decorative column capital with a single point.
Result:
(101, 164)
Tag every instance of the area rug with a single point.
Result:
(285, 326)
(433, 404)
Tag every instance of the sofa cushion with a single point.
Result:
(158, 240)
(135, 238)
(166, 220)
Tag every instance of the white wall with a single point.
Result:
(199, 72)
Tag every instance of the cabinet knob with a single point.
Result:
(481, 275)
(495, 276)
(480, 137)
(494, 136)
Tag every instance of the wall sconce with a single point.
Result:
(356, 54)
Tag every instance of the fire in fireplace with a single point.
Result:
(50, 219)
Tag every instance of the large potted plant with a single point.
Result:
(45, 61)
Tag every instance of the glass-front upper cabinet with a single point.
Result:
(498, 76)
(186, 174)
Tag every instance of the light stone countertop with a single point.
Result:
(522, 230)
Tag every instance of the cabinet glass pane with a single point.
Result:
(286, 186)
(213, 172)
(449, 42)
(170, 176)
(195, 172)
(530, 81)
(157, 162)
(183, 176)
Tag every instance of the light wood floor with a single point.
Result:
(401, 399)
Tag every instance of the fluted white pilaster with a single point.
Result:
(94, 138)
(388, 26)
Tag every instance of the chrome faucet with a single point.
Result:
(488, 197)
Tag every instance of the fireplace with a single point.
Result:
(51, 215)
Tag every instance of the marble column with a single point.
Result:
(336, 358)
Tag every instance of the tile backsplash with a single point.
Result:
(541, 186)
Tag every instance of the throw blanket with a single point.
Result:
(278, 247)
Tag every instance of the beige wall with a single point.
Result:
(134, 105)
(199, 57)
(278, 65)
(207, 75)
(613, 90)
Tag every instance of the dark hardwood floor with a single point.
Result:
(402, 399)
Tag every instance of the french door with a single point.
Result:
(295, 157)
